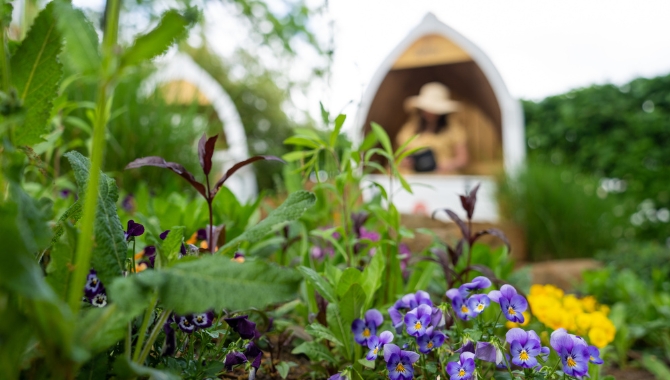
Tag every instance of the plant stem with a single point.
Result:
(143, 328)
(105, 94)
(129, 337)
(154, 335)
(209, 198)
(4, 54)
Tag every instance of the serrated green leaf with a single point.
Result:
(36, 73)
(170, 247)
(352, 303)
(315, 351)
(372, 277)
(292, 209)
(71, 214)
(153, 44)
(216, 282)
(349, 277)
(110, 249)
(319, 331)
(340, 329)
(81, 40)
(319, 283)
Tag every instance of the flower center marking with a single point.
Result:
(461, 373)
(417, 325)
(571, 362)
(400, 368)
(366, 332)
(430, 345)
(480, 307)
(523, 355)
(375, 350)
(464, 309)
(511, 311)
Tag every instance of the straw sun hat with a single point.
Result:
(434, 98)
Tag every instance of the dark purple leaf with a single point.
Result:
(237, 167)
(455, 253)
(175, 167)
(468, 202)
(205, 152)
(494, 232)
(461, 224)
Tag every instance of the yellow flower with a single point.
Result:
(598, 337)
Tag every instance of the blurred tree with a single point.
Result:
(615, 133)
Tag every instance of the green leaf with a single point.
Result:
(655, 366)
(292, 209)
(216, 282)
(349, 277)
(383, 138)
(110, 249)
(295, 156)
(340, 329)
(352, 303)
(60, 268)
(71, 214)
(153, 44)
(367, 363)
(170, 247)
(315, 351)
(319, 331)
(372, 277)
(339, 121)
(301, 141)
(126, 369)
(333, 273)
(36, 73)
(283, 368)
(81, 40)
(321, 285)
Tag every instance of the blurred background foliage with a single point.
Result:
(597, 171)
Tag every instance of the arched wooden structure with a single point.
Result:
(434, 52)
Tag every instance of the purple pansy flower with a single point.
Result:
(164, 234)
(463, 369)
(339, 376)
(399, 362)
(375, 344)
(233, 359)
(133, 230)
(203, 320)
(436, 319)
(488, 352)
(573, 352)
(524, 347)
(478, 302)
(149, 256)
(430, 340)
(408, 302)
(99, 300)
(243, 326)
(594, 355)
(511, 303)
(418, 320)
(364, 329)
(185, 323)
(93, 285)
(459, 305)
(468, 346)
(252, 351)
(477, 283)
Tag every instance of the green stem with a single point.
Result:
(144, 327)
(129, 338)
(154, 334)
(105, 94)
(4, 61)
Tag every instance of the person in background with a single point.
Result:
(442, 138)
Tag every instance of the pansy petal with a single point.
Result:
(411, 355)
(374, 316)
(396, 316)
(423, 298)
(466, 355)
(453, 368)
(520, 303)
(386, 337)
(438, 338)
(453, 293)
(373, 342)
(517, 334)
(508, 291)
(556, 338)
(390, 349)
(495, 295)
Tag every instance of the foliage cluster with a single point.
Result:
(613, 133)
